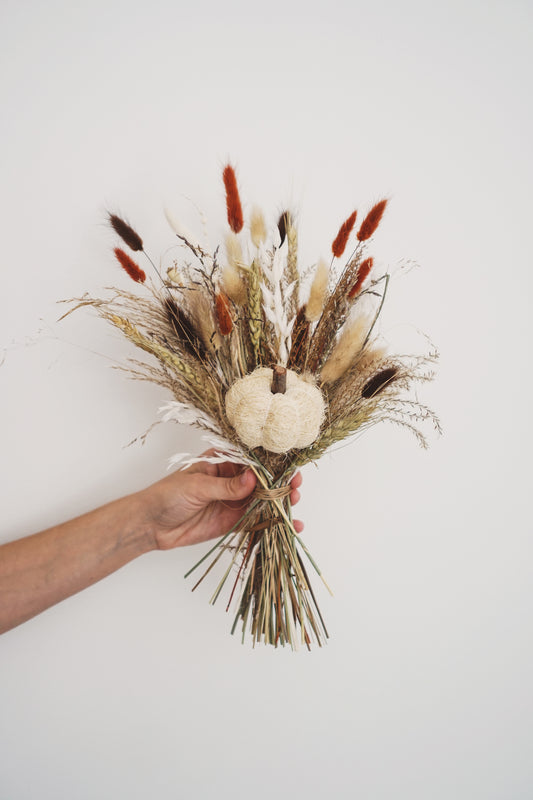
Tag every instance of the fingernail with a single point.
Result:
(244, 477)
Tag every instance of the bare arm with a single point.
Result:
(185, 508)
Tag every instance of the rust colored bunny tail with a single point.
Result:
(362, 274)
(129, 265)
(233, 201)
(341, 240)
(371, 221)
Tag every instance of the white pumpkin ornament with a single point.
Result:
(275, 409)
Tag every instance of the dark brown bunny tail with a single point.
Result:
(129, 265)
(341, 240)
(284, 222)
(233, 201)
(377, 382)
(183, 328)
(371, 221)
(126, 232)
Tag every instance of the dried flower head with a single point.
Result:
(129, 265)
(361, 276)
(378, 382)
(258, 231)
(284, 223)
(173, 274)
(180, 230)
(350, 343)
(126, 232)
(317, 295)
(223, 313)
(233, 201)
(371, 221)
(341, 240)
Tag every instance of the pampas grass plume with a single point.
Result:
(129, 265)
(233, 283)
(350, 342)
(233, 201)
(341, 240)
(234, 251)
(258, 231)
(317, 295)
(180, 230)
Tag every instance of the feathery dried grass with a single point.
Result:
(258, 230)
(317, 295)
(349, 344)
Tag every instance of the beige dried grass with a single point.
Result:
(348, 346)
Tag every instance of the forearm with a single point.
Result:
(43, 569)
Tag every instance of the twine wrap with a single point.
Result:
(278, 493)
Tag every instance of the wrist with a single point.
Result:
(132, 518)
(149, 512)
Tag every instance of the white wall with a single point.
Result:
(135, 688)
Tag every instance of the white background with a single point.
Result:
(135, 688)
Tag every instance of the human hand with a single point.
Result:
(202, 502)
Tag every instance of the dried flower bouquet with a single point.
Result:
(275, 372)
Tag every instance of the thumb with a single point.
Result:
(210, 488)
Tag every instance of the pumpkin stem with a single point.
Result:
(279, 380)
